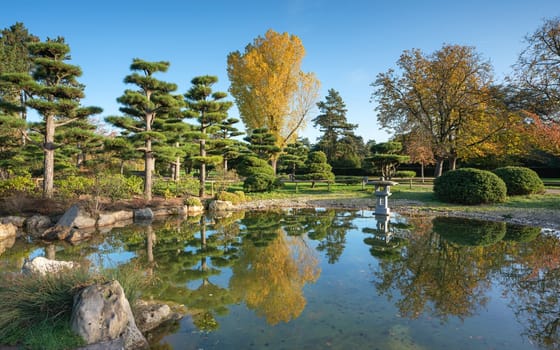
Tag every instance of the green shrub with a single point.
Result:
(74, 186)
(19, 184)
(117, 186)
(252, 165)
(169, 188)
(235, 198)
(405, 173)
(192, 202)
(470, 186)
(520, 181)
(259, 183)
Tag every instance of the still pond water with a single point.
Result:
(326, 279)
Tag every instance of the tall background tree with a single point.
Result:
(152, 99)
(270, 89)
(537, 71)
(339, 143)
(55, 94)
(537, 78)
(210, 111)
(14, 58)
(444, 95)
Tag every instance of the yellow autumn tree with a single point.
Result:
(269, 87)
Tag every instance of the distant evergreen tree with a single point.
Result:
(151, 100)
(334, 126)
(210, 111)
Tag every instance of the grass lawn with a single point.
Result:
(416, 192)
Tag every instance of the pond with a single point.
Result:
(328, 279)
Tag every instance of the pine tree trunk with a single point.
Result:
(177, 170)
(177, 174)
(48, 150)
(148, 170)
(202, 175)
(274, 162)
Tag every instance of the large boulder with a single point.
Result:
(101, 313)
(41, 265)
(7, 244)
(218, 205)
(7, 231)
(74, 218)
(107, 219)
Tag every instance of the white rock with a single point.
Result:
(41, 265)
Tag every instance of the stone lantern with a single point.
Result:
(382, 193)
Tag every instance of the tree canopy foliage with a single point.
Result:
(445, 95)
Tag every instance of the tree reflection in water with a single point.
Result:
(270, 277)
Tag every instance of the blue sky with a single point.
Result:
(347, 42)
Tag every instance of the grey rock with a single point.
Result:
(149, 315)
(220, 206)
(18, 221)
(74, 218)
(144, 214)
(107, 219)
(102, 313)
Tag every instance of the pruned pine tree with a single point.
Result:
(152, 99)
(81, 142)
(386, 157)
(263, 144)
(317, 168)
(179, 137)
(55, 94)
(210, 110)
(225, 143)
(294, 157)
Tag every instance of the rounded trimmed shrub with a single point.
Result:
(520, 180)
(469, 232)
(470, 186)
(260, 182)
